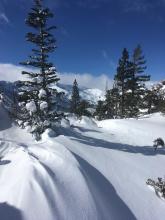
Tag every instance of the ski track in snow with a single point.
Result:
(88, 173)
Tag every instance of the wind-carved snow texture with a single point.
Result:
(92, 171)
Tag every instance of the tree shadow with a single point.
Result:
(8, 212)
(4, 140)
(85, 129)
(5, 120)
(96, 142)
(4, 162)
(109, 205)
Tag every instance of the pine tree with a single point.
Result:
(137, 81)
(121, 83)
(159, 97)
(82, 109)
(38, 100)
(75, 99)
(100, 110)
(111, 103)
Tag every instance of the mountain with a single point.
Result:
(90, 95)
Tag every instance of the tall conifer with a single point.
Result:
(75, 98)
(137, 80)
(38, 99)
(121, 82)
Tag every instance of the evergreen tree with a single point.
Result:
(37, 99)
(159, 97)
(75, 98)
(137, 81)
(111, 103)
(100, 110)
(121, 83)
(83, 108)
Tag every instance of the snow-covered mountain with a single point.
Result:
(91, 95)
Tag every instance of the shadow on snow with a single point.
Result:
(8, 212)
(96, 142)
(109, 205)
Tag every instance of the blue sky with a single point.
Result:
(91, 33)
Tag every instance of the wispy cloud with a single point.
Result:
(92, 4)
(87, 80)
(4, 18)
(10, 72)
(137, 6)
(141, 6)
(107, 58)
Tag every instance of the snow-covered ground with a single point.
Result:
(92, 171)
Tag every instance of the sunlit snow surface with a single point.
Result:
(92, 171)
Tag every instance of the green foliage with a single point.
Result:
(137, 80)
(37, 98)
(100, 110)
(128, 94)
(75, 98)
(121, 85)
(83, 109)
(78, 106)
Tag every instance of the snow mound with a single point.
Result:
(149, 127)
(54, 184)
(49, 133)
(65, 123)
(86, 121)
(89, 172)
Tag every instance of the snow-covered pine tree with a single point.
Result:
(111, 103)
(121, 79)
(160, 93)
(151, 101)
(83, 108)
(75, 98)
(137, 81)
(38, 100)
(100, 110)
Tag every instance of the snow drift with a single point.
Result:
(88, 172)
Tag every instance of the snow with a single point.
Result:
(43, 105)
(42, 93)
(65, 123)
(31, 107)
(48, 133)
(93, 170)
(91, 95)
(86, 121)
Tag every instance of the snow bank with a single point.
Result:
(141, 131)
(65, 123)
(88, 173)
(86, 121)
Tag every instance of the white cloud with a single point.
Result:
(4, 18)
(87, 80)
(108, 59)
(11, 73)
